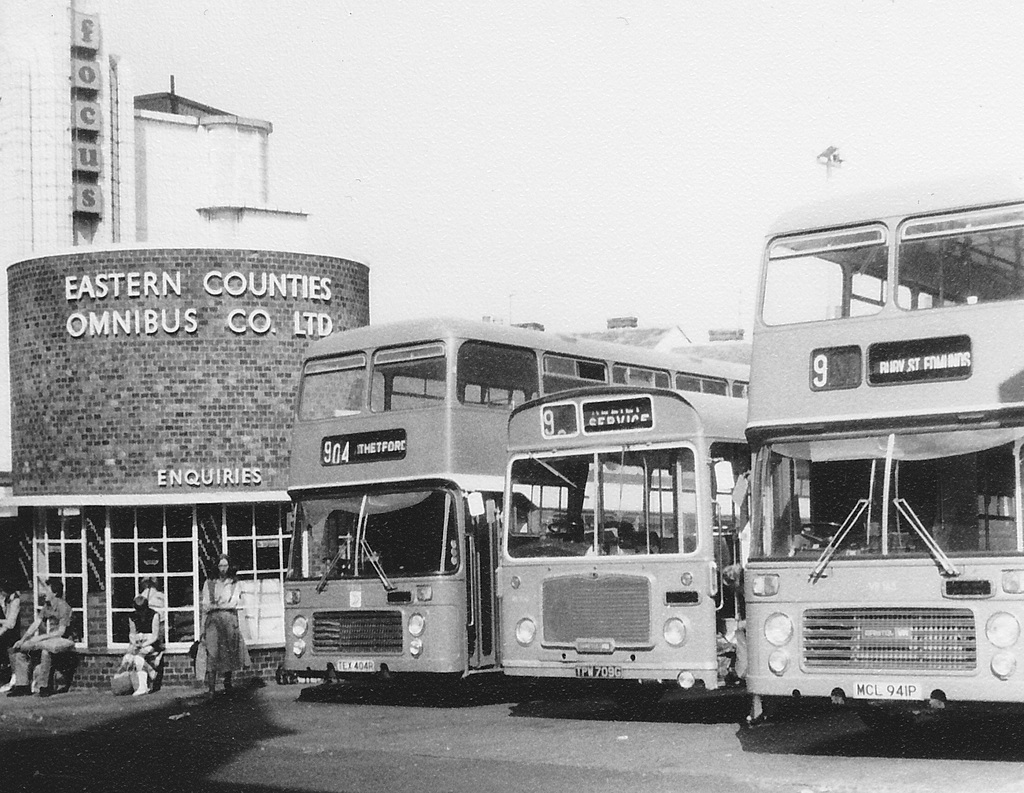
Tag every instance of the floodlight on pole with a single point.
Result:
(830, 159)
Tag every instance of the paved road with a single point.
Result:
(495, 739)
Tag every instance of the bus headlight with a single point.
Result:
(778, 662)
(1003, 665)
(765, 585)
(299, 626)
(1002, 629)
(1013, 582)
(526, 630)
(778, 629)
(298, 647)
(415, 647)
(416, 624)
(674, 631)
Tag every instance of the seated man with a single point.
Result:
(49, 634)
(10, 629)
(146, 645)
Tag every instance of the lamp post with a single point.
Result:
(830, 159)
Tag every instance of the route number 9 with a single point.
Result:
(833, 368)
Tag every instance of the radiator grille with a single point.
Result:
(614, 607)
(890, 638)
(357, 631)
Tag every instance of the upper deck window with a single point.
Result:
(826, 276)
(333, 387)
(495, 376)
(408, 377)
(955, 260)
(639, 376)
(562, 373)
(702, 385)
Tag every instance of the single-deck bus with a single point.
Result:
(397, 465)
(887, 560)
(619, 511)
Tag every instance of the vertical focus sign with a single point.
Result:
(86, 115)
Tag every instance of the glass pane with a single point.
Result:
(73, 527)
(179, 591)
(179, 557)
(496, 376)
(332, 394)
(151, 558)
(269, 518)
(816, 277)
(958, 265)
(180, 626)
(122, 557)
(179, 522)
(119, 626)
(51, 524)
(73, 559)
(241, 554)
(73, 592)
(688, 382)
(122, 522)
(408, 533)
(554, 500)
(962, 501)
(406, 378)
(268, 555)
(239, 520)
(150, 521)
(123, 591)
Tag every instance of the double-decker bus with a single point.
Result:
(619, 522)
(887, 554)
(397, 471)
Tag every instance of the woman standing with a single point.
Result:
(222, 640)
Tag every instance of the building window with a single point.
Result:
(60, 552)
(153, 545)
(257, 542)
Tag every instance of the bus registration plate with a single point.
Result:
(888, 689)
(599, 671)
(353, 665)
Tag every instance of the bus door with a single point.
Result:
(482, 526)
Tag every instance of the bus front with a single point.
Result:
(609, 570)
(397, 491)
(887, 418)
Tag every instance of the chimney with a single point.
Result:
(727, 334)
(617, 323)
(529, 326)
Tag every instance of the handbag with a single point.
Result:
(124, 683)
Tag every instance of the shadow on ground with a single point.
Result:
(823, 730)
(461, 693)
(631, 702)
(175, 746)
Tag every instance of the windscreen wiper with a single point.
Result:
(560, 475)
(837, 538)
(322, 584)
(367, 552)
(937, 553)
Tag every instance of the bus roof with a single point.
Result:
(910, 199)
(721, 417)
(410, 331)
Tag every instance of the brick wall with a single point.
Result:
(97, 409)
(94, 669)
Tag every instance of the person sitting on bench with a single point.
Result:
(146, 645)
(47, 635)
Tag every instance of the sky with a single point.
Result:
(564, 162)
(567, 162)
